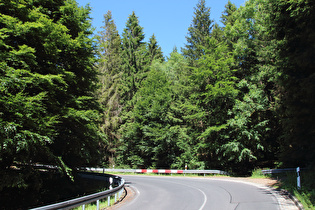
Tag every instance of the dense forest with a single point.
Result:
(239, 95)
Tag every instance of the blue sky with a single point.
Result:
(168, 20)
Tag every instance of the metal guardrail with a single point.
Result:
(96, 197)
(205, 172)
(118, 183)
(277, 171)
(157, 171)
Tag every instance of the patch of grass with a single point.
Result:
(257, 173)
(305, 199)
(103, 203)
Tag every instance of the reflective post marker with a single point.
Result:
(110, 183)
(298, 178)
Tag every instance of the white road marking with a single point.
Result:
(204, 194)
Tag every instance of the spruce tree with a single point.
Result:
(198, 32)
(227, 16)
(110, 73)
(154, 50)
(135, 60)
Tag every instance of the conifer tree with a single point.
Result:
(154, 50)
(227, 16)
(110, 76)
(198, 32)
(135, 60)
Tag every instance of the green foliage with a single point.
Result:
(227, 16)
(152, 102)
(154, 50)
(295, 35)
(135, 58)
(198, 32)
(48, 113)
(306, 195)
(257, 173)
(110, 81)
(213, 95)
(253, 125)
(153, 135)
(239, 97)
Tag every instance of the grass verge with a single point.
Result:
(103, 203)
(288, 181)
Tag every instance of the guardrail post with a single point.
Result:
(110, 183)
(98, 204)
(298, 181)
(110, 187)
(120, 193)
(83, 207)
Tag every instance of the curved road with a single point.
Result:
(153, 192)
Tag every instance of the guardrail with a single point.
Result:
(277, 171)
(157, 171)
(115, 181)
(116, 188)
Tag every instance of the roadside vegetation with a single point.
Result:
(306, 195)
(288, 181)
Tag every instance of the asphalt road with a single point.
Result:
(163, 192)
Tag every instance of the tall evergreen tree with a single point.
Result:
(110, 76)
(135, 59)
(154, 50)
(228, 19)
(135, 66)
(227, 16)
(198, 32)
